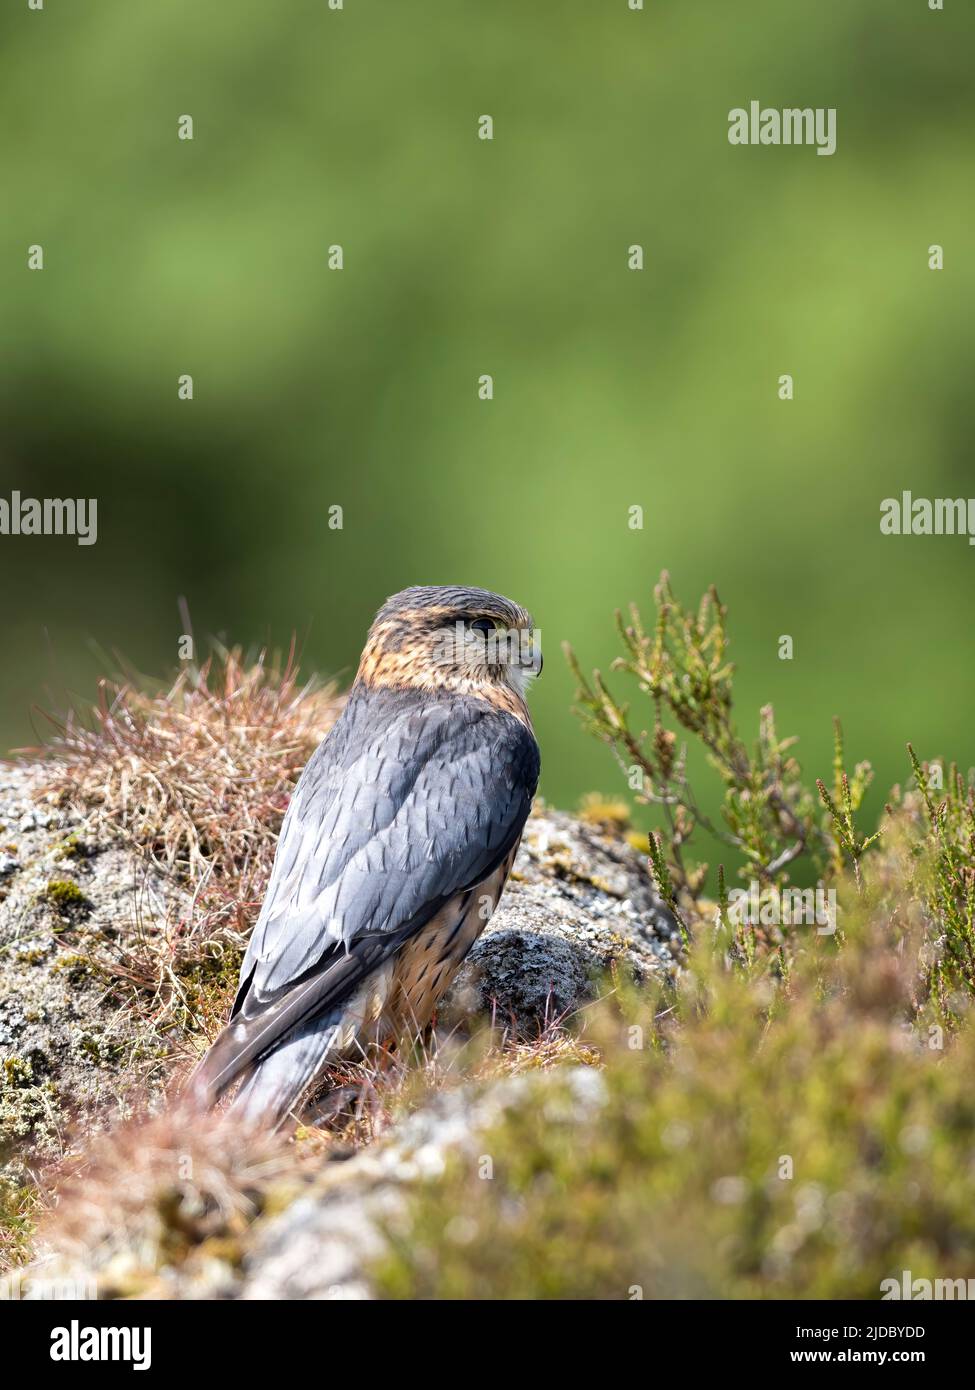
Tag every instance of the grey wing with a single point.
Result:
(404, 805)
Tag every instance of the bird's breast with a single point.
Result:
(427, 963)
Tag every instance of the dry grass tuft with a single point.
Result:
(198, 772)
(360, 1100)
(165, 1204)
(167, 1194)
(196, 776)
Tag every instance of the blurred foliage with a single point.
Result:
(758, 1134)
(613, 388)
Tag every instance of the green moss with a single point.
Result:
(209, 982)
(102, 1053)
(32, 957)
(77, 967)
(28, 1101)
(17, 1072)
(73, 847)
(66, 898)
(64, 893)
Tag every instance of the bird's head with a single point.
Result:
(470, 641)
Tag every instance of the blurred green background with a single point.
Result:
(612, 388)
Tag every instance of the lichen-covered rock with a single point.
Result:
(67, 1048)
(579, 899)
(323, 1244)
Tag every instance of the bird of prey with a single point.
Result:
(395, 849)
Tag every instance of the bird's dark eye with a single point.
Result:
(482, 624)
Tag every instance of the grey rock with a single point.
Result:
(321, 1246)
(578, 900)
(67, 1049)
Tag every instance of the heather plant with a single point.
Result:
(771, 820)
(796, 1119)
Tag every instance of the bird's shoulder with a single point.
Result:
(386, 738)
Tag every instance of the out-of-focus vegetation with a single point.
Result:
(757, 1137)
(613, 388)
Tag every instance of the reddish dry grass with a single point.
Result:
(162, 1191)
(199, 773)
(197, 776)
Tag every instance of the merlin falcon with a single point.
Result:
(395, 849)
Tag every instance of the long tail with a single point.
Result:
(276, 1077)
(277, 1084)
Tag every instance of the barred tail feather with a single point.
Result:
(277, 1083)
(313, 1005)
(276, 1080)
